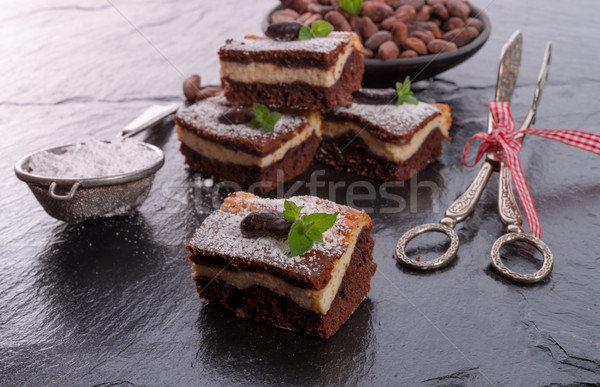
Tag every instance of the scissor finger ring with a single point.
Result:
(539, 275)
(437, 263)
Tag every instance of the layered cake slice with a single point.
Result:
(314, 74)
(385, 142)
(220, 140)
(257, 277)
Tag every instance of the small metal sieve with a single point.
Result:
(76, 200)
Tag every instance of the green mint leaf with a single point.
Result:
(292, 211)
(267, 126)
(404, 93)
(312, 232)
(264, 118)
(270, 121)
(260, 111)
(274, 116)
(306, 230)
(298, 242)
(411, 100)
(321, 28)
(322, 221)
(351, 6)
(318, 29)
(305, 33)
(399, 96)
(406, 86)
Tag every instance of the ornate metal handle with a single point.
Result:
(465, 204)
(507, 205)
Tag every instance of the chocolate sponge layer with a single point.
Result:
(352, 153)
(264, 179)
(299, 95)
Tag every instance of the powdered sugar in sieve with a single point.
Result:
(95, 178)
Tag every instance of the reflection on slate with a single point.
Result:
(375, 197)
(158, 135)
(234, 346)
(97, 257)
(93, 277)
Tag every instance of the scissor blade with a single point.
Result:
(508, 70)
(537, 95)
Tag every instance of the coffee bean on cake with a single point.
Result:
(265, 223)
(284, 31)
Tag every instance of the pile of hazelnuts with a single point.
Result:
(392, 29)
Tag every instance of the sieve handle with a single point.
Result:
(68, 196)
(153, 115)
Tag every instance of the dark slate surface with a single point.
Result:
(110, 302)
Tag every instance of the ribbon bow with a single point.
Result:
(504, 137)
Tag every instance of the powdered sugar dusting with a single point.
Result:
(205, 114)
(220, 234)
(94, 159)
(398, 120)
(323, 45)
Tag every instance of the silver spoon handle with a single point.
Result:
(153, 115)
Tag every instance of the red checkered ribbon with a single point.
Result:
(504, 137)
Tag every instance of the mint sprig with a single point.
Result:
(264, 118)
(351, 6)
(318, 29)
(306, 229)
(292, 211)
(404, 93)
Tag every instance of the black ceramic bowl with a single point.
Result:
(385, 73)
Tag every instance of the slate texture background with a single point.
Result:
(109, 302)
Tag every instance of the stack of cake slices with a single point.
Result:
(295, 78)
(307, 86)
(311, 83)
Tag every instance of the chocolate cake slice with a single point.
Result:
(213, 143)
(257, 278)
(315, 74)
(385, 142)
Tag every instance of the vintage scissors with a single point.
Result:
(508, 69)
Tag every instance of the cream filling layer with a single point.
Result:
(318, 301)
(268, 73)
(390, 151)
(220, 153)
